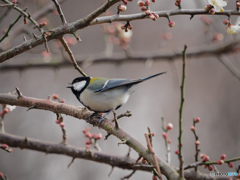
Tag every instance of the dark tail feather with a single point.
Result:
(152, 76)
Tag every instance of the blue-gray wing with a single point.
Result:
(114, 83)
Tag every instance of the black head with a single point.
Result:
(78, 85)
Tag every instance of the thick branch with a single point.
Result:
(83, 113)
(82, 23)
(74, 152)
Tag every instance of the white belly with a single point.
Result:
(105, 101)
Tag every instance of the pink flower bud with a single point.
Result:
(197, 142)
(226, 22)
(6, 110)
(84, 131)
(10, 150)
(177, 3)
(171, 24)
(140, 3)
(62, 124)
(169, 141)
(212, 11)
(125, 2)
(193, 128)
(14, 2)
(205, 158)
(237, 4)
(98, 136)
(1, 175)
(177, 152)
(88, 142)
(87, 146)
(169, 126)
(230, 165)
(220, 162)
(62, 101)
(144, 161)
(55, 96)
(122, 8)
(47, 33)
(151, 16)
(88, 135)
(58, 121)
(153, 134)
(148, 12)
(197, 120)
(156, 15)
(143, 8)
(210, 168)
(4, 146)
(208, 7)
(223, 156)
(147, 2)
(164, 135)
(130, 27)
(154, 177)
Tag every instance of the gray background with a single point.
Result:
(211, 91)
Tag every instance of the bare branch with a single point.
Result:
(59, 9)
(68, 150)
(73, 60)
(9, 28)
(211, 50)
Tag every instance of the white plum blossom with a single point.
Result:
(233, 29)
(218, 4)
(10, 107)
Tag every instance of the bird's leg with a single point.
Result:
(115, 119)
(100, 120)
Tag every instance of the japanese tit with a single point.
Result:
(103, 95)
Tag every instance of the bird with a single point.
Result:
(104, 95)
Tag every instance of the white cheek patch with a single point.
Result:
(79, 85)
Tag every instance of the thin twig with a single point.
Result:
(27, 15)
(167, 145)
(153, 154)
(197, 150)
(63, 19)
(180, 156)
(72, 58)
(128, 176)
(9, 28)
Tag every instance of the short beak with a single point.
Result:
(70, 86)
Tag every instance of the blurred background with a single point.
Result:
(211, 91)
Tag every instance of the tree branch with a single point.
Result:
(75, 152)
(211, 50)
(83, 23)
(83, 113)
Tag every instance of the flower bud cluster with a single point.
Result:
(41, 24)
(165, 135)
(92, 138)
(60, 122)
(56, 97)
(5, 147)
(127, 27)
(145, 7)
